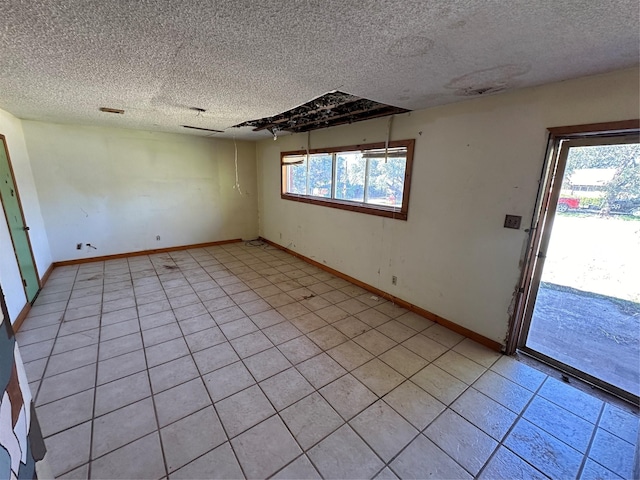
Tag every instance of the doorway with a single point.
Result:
(581, 305)
(18, 230)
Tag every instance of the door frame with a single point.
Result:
(5, 146)
(560, 139)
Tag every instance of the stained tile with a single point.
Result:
(300, 469)
(180, 401)
(571, 399)
(320, 370)
(485, 413)
(378, 377)
(251, 344)
(403, 360)
(621, 423)
(594, 471)
(286, 388)
(332, 314)
(396, 331)
(167, 351)
(238, 328)
(351, 326)
(119, 393)
(218, 464)
(36, 335)
(197, 324)
(190, 437)
(508, 466)
(460, 367)
(414, 404)
(59, 386)
(308, 322)
(265, 448)
(503, 391)
(344, 455)
(77, 409)
(518, 372)
(476, 352)
(414, 321)
(375, 342)
(465, 443)
(243, 410)
(299, 349)
(327, 337)
(267, 363)
(423, 459)
(562, 424)
(115, 429)
(161, 334)
(384, 430)
(75, 341)
(267, 318)
(282, 332)
(141, 459)
(172, 373)
(204, 339)
(157, 320)
(228, 380)
(350, 355)
(443, 335)
(352, 306)
(69, 449)
(549, 455)
(292, 310)
(64, 362)
(613, 453)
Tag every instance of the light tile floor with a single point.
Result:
(243, 361)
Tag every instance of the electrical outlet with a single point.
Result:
(394, 280)
(512, 221)
(79, 246)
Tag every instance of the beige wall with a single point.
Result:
(118, 189)
(474, 162)
(10, 277)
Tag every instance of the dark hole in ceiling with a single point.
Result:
(334, 108)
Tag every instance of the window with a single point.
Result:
(371, 178)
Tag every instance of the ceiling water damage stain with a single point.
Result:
(333, 108)
(411, 46)
(488, 80)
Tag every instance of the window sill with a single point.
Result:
(359, 207)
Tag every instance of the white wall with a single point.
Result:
(10, 277)
(474, 162)
(117, 189)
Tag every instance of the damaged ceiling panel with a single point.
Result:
(333, 108)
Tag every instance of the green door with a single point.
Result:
(17, 228)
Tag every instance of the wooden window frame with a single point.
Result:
(352, 206)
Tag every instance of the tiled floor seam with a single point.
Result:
(55, 339)
(519, 417)
(95, 386)
(200, 376)
(587, 451)
(153, 402)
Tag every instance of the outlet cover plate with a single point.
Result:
(512, 221)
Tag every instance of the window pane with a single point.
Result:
(320, 173)
(296, 181)
(386, 181)
(350, 172)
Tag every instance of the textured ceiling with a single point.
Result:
(60, 60)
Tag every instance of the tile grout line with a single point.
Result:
(587, 451)
(200, 376)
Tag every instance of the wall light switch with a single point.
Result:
(512, 221)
